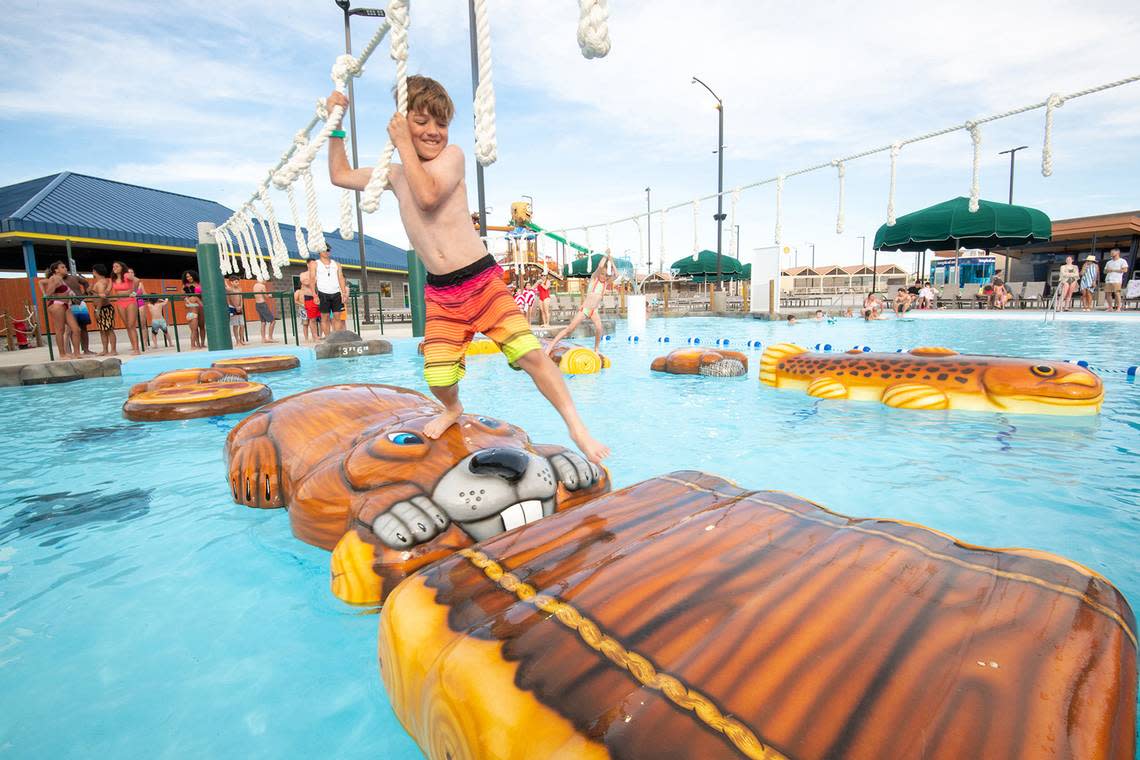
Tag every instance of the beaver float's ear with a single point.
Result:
(254, 464)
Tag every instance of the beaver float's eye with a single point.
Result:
(489, 422)
(405, 439)
(1042, 370)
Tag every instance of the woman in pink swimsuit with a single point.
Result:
(66, 326)
(123, 290)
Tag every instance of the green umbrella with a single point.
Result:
(585, 266)
(703, 269)
(950, 225)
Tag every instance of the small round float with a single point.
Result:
(190, 376)
(259, 363)
(578, 360)
(183, 402)
(702, 361)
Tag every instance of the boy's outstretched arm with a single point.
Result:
(341, 172)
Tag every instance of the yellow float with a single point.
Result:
(936, 378)
(191, 376)
(687, 617)
(259, 363)
(710, 362)
(181, 402)
(360, 478)
(578, 360)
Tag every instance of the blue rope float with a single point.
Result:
(1126, 371)
(694, 341)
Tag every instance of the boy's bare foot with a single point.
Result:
(594, 451)
(436, 427)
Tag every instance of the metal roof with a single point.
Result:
(78, 205)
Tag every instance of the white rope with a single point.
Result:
(279, 255)
(976, 138)
(732, 223)
(317, 241)
(696, 220)
(607, 238)
(255, 257)
(397, 15)
(231, 249)
(661, 237)
(640, 243)
(270, 243)
(347, 218)
(895, 148)
(593, 28)
(223, 260)
(842, 169)
(1054, 102)
(298, 228)
(486, 147)
(244, 244)
(779, 209)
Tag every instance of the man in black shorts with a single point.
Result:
(328, 280)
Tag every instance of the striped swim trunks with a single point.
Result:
(461, 303)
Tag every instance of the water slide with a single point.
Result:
(535, 228)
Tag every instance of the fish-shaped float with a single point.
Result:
(361, 478)
(686, 617)
(709, 362)
(936, 378)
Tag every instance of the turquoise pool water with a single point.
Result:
(143, 614)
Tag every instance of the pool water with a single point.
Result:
(143, 614)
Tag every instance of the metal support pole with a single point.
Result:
(875, 272)
(30, 270)
(478, 166)
(356, 165)
(719, 183)
(1012, 153)
(218, 336)
(417, 278)
(648, 231)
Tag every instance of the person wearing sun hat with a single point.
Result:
(1090, 274)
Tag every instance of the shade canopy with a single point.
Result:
(585, 266)
(703, 268)
(950, 223)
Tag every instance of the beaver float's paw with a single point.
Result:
(574, 472)
(255, 471)
(411, 522)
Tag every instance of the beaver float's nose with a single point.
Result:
(508, 464)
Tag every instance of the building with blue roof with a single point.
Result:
(85, 220)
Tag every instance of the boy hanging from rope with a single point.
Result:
(465, 292)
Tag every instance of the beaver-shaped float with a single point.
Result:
(183, 402)
(710, 362)
(190, 376)
(361, 478)
(936, 378)
(686, 617)
(259, 363)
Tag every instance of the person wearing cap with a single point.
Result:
(327, 278)
(1090, 273)
(1114, 270)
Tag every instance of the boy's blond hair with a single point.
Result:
(429, 96)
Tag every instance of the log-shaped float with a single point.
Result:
(182, 402)
(362, 479)
(253, 364)
(190, 376)
(711, 362)
(936, 378)
(687, 617)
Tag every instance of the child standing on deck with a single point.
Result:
(465, 292)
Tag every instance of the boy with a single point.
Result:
(234, 303)
(264, 311)
(157, 313)
(306, 301)
(465, 293)
(104, 311)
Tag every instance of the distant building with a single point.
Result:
(1079, 238)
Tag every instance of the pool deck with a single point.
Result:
(1028, 315)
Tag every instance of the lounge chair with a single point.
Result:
(1033, 295)
(969, 295)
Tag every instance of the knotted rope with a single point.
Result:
(842, 169)
(1054, 102)
(779, 209)
(732, 223)
(896, 146)
(696, 220)
(593, 28)
(976, 137)
(378, 182)
(486, 148)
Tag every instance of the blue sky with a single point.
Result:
(200, 98)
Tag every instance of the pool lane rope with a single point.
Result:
(1050, 104)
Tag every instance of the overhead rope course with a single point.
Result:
(1050, 104)
(237, 237)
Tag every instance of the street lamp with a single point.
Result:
(1012, 154)
(720, 215)
(373, 13)
(648, 235)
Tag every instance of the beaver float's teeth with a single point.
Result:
(522, 513)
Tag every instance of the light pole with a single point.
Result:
(812, 255)
(1012, 154)
(720, 215)
(648, 236)
(374, 13)
(863, 251)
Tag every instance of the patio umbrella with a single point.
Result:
(585, 266)
(950, 223)
(703, 269)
